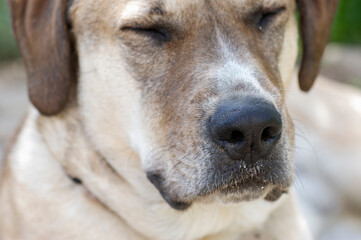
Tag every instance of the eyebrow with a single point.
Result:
(157, 10)
(137, 12)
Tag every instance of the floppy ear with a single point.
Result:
(316, 19)
(41, 32)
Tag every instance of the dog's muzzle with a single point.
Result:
(246, 156)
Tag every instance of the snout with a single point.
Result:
(242, 154)
(246, 128)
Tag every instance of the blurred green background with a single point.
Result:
(346, 29)
(347, 26)
(8, 48)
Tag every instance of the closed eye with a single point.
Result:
(265, 17)
(156, 33)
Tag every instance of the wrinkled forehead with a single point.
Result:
(127, 10)
(182, 8)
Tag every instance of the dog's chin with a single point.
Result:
(269, 193)
(235, 191)
(244, 191)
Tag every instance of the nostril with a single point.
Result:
(236, 136)
(229, 136)
(244, 128)
(270, 134)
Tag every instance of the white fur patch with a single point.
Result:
(134, 9)
(233, 71)
(32, 160)
(209, 219)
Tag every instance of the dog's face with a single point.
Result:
(162, 69)
(196, 88)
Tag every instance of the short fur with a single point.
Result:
(116, 146)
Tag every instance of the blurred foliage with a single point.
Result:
(347, 26)
(346, 29)
(8, 48)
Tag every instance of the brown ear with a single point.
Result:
(316, 19)
(41, 32)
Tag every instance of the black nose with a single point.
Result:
(246, 128)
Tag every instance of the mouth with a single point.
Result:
(253, 182)
(250, 182)
(250, 188)
(243, 182)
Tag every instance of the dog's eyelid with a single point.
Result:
(265, 15)
(156, 32)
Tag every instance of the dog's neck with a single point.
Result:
(127, 192)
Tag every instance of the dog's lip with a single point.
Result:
(275, 194)
(259, 187)
(157, 180)
(177, 205)
(249, 178)
(251, 181)
(248, 173)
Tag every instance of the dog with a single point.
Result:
(159, 119)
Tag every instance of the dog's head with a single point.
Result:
(196, 88)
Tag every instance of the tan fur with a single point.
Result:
(139, 107)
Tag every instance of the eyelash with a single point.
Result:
(158, 33)
(162, 35)
(265, 17)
